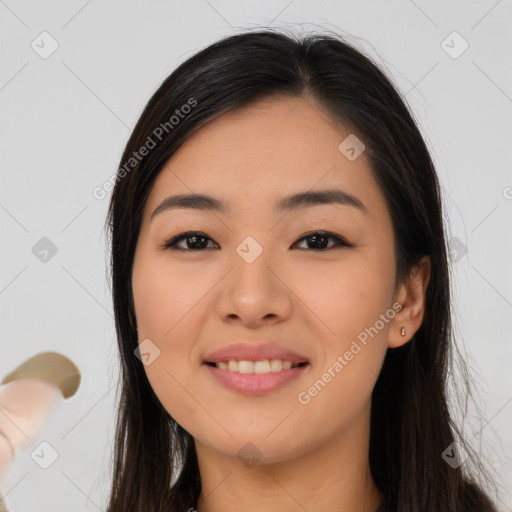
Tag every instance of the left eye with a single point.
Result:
(197, 241)
(318, 237)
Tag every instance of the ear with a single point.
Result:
(411, 295)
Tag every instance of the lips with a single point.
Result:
(255, 352)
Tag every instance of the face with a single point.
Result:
(316, 279)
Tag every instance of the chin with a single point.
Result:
(258, 450)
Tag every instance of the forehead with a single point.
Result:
(254, 155)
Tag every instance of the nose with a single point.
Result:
(255, 292)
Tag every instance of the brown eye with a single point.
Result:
(193, 241)
(319, 240)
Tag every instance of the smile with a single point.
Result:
(263, 366)
(256, 377)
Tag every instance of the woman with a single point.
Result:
(281, 292)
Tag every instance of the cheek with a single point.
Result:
(352, 346)
(352, 309)
(166, 307)
(172, 387)
(164, 295)
(349, 296)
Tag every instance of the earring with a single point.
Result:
(402, 332)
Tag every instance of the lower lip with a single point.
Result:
(256, 383)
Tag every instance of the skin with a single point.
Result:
(25, 406)
(315, 301)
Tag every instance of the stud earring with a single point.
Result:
(402, 332)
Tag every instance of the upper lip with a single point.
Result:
(255, 352)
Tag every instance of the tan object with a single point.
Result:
(28, 396)
(49, 366)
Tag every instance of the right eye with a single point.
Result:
(194, 240)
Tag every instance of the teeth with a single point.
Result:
(263, 366)
(245, 366)
(276, 365)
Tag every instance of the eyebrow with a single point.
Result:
(293, 202)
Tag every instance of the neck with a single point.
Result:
(333, 475)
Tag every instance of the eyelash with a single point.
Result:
(171, 244)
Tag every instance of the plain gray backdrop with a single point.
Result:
(74, 77)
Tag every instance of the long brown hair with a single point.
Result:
(154, 464)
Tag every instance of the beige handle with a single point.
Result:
(50, 366)
(28, 395)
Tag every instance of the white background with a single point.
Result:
(65, 120)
